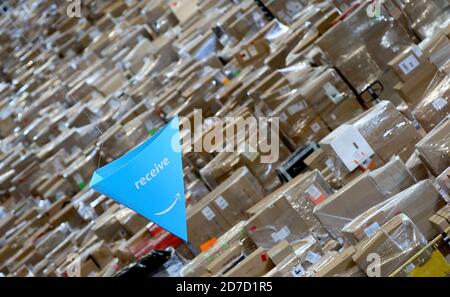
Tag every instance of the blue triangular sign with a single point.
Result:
(149, 180)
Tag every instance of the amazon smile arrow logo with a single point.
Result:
(152, 170)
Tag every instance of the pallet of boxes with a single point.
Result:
(361, 107)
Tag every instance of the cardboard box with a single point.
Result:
(223, 207)
(364, 192)
(337, 264)
(280, 251)
(277, 222)
(439, 223)
(257, 263)
(436, 160)
(418, 202)
(435, 106)
(396, 242)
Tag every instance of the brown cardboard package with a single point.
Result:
(253, 52)
(435, 106)
(434, 148)
(256, 264)
(364, 192)
(306, 254)
(382, 132)
(418, 202)
(396, 242)
(439, 223)
(277, 222)
(223, 207)
(336, 264)
(356, 45)
(442, 183)
(280, 251)
(198, 266)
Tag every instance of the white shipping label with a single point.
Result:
(369, 231)
(329, 164)
(221, 202)
(253, 51)
(208, 213)
(409, 64)
(312, 257)
(332, 93)
(351, 147)
(281, 235)
(293, 109)
(417, 51)
(315, 127)
(284, 90)
(439, 103)
(78, 178)
(298, 271)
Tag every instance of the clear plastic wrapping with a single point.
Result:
(198, 266)
(385, 130)
(435, 106)
(418, 202)
(223, 207)
(425, 15)
(275, 222)
(360, 46)
(366, 191)
(443, 184)
(306, 254)
(391, 246)
(435, 147)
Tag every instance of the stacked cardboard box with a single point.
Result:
(77, 93)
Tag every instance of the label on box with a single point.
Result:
(221, 202)
(79, 180)
(329, 164)
(293, 109)
(409, 64)
(312, 257)
(315, 127)
(439, 103)
(351, 147)
(58, 166)
(281, 235)
(417, 51)
(283, 117)
(253, 51)
(298, 271)
(332, 93)
(372, 229)
(315, 195)
(284, 90)
(167, 109)
(208, 213)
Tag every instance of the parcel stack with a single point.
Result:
(348, 101)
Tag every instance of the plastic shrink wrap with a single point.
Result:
(235, 236)
(391, 246)
(223, 207)
(435, 106)
(381, 132)
(434, 148)
(366, 191)
(360, 46)
(418, 202)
